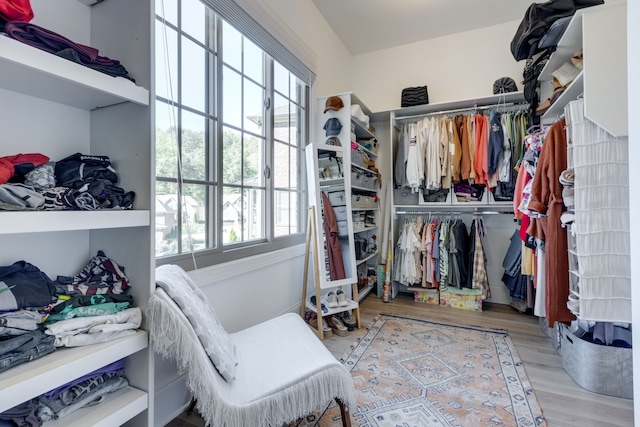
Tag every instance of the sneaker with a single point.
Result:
(341, 298)
(332, 300)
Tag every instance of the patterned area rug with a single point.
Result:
(416, 373)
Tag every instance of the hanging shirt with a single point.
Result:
(465, 160)
(480, 278)
(504, 160)
(400, 167)
(421, 147)
(496, 142)
(413, 179)
(471, 132)
(445, 151)
(433, 168)
(480, 149)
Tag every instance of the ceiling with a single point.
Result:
(370, 25)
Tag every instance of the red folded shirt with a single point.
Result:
(16, 10)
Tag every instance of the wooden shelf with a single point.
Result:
(351, 304)
(116, 409)
(360, 230)
(570, 41)
(363, 260)
(361, 131)
(366, 150)
(371, 190)
(331, 182)
(511, 97)
(34, 378)
(31, 71)
(369, 171)
(575, 88)
(364, 292)
(46, 221)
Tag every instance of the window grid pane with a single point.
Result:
(187, 205)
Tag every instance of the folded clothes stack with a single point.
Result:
(567, 178)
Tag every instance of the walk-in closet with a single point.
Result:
(439, 194)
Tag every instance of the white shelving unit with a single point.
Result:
(318, 243)
(334, 176)
(370, 232)
(603, 84)
(500, 226)
(57, 107)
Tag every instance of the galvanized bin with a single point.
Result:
(597, 368)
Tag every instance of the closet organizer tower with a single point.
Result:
(343, 216)
(424, 199)
(57, 107)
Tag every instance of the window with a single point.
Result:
(231, 124)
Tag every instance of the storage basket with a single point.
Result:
(597, 368)
(363, 180)
(357, 156)
(343, 228)
(404, 196)
(337, 198)
(364, 202)
(340, 213)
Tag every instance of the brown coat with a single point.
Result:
(334, 251)
(546, 198)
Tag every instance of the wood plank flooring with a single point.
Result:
(563, 402)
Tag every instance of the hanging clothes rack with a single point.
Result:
(470, 212)
(513, 107)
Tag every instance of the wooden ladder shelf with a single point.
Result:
(312, 234)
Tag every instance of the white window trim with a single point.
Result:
(278, 28)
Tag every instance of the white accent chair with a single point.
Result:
(283, 370)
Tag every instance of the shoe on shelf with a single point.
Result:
(348, 320)
(341, 298)
(577, 59)
(326, 330)
(322, 306)
(566, 74)
(337, 326)
(558, 89)
(332, 300)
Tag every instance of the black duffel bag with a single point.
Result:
(538, 20)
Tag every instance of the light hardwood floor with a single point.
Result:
(563, 402)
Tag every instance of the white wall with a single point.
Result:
(633, 70)
(302, 21)
(453, 67)
(251, 290)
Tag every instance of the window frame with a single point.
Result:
(217, 252)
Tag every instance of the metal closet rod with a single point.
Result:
(516, 107)
(474, 212)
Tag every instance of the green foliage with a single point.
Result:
(233, 237)
(194, 161)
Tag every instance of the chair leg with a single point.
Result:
(344, 413)
(191, 406)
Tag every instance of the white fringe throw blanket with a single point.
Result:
(284, 372)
